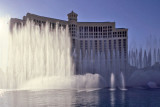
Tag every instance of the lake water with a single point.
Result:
(74, 98)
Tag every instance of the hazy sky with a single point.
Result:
(141, 17)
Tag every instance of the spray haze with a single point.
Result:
(34, 57)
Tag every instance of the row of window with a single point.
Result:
(51, 24)
(95, 42)
(71, 28)
(98, 45)
(123, 32)
(109, 33)
(109, 36)
(119, 35)
(81, 34)
(94, 35)
(72, 25)
(95, 28)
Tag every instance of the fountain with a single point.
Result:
(34, 53)
(112, 87)
(33, 56)
(109, 66)
(41, 59)
(122, 82)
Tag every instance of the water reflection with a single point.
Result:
(49, 98)
(122, 97)
(117, 97)
(61, 98)
(87, 98)
(112, 98)
(74, 98)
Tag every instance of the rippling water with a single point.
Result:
(74, 98)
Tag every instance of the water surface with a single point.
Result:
(74, 98)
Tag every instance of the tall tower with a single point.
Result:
(72, 16)
(72, 20)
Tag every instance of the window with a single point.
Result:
(91, 45)
(100, 45)
(95, 45)
(81, 29)
(124, 42)
(86, 44)
(90, 29)
(104, 29)
(104, 33)
(124, 47)
(73, 42)
(85, 29)
(114, 44)
(99, 29)
(95, 29)
(119, 41)
(81, 44)
(110, 45)
(105, 45)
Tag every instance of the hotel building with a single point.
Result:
(87, 36)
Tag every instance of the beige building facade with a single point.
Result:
(87, 36)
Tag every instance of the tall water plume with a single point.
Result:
(112, 83)
(142, 58)
(146, 54)
(31, 52)
(122, 82)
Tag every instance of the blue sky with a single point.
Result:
(141, 17)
